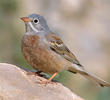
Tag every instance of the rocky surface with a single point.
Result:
(15, 84)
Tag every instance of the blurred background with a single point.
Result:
(83, 25)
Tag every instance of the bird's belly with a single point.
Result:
(44, 59)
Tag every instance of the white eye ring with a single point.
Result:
(36, 21)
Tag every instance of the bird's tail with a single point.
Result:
(93, 78)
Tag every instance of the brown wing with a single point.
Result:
(57, 45)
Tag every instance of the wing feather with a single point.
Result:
(57, 45)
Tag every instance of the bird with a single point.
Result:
(46, 52)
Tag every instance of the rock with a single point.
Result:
(15, 84)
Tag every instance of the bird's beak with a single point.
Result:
(25, 19)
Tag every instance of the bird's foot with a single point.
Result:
(36, 73)
(47, 82)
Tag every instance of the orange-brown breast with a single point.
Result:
(40, 56)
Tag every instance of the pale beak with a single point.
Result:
(25, 19)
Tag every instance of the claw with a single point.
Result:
(47, 82)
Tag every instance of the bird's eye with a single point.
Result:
(36, 21)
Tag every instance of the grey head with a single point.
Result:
(36, 24)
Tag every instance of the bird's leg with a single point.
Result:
(49, 80)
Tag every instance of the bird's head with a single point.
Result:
(35, 23)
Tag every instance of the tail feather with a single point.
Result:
(94, 78)
(81, 70)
